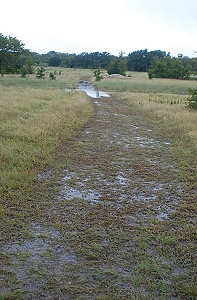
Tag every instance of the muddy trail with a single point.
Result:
(106, 234)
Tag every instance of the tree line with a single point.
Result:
(14, 58)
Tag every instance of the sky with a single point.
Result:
(113, 26)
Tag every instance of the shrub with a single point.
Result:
(117, 66)
(40, 73)
(192, 99)
(52, 76)
(97, 74)
(23, 72)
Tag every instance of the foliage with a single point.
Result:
(24, 72)
(83, 60)
(192, 99)
(54, 61)
(28, 64)
(168, 67)
(13, 57)
(11, 53)
(140, 60)
(40, 73)
(97, 74)
(117, 66)
(52, 75)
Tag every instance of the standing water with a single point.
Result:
(86, 87)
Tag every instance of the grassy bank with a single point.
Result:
(37, 117)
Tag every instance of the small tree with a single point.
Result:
(40, 73)
(192, 99)
(97, 74)
(52, 75)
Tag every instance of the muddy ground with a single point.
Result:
(106, 234)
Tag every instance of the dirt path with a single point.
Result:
(100, 239)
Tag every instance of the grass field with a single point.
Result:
(39, 124)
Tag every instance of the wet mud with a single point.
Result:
(120, 178)
(121, 160)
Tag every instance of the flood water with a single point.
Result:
(86, 87)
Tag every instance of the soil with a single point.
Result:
(93, 242)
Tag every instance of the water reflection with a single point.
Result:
(86, 87)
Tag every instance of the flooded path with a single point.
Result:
(86, 87)
(120, 161)
(96, 241)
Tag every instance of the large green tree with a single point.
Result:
(10, 50)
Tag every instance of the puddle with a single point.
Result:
(70, 193)
(44, 175)
(44, 240)
(86, 87)
(164, 213)
(44, 253)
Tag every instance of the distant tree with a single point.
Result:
(117, 66)
(157, 68)
(55, 61)
(168, 67)
(136, 61)
(140, 60)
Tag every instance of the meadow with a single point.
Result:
(40, 129)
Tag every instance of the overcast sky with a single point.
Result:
(103, 25)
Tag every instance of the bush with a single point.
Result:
(24, 72)
(52, 76)
(192, 99)
(97, 74)
(40, 73)
(117, 66)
